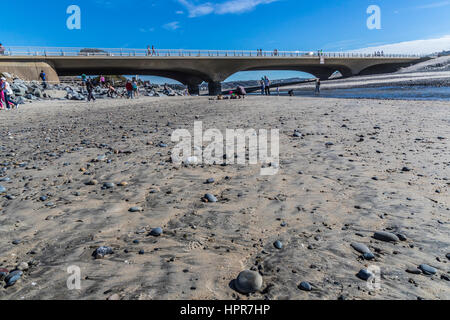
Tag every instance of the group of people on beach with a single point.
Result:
(131, 87)
(265, 86)
(6, 102)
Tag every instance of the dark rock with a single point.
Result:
(427, 270)
(156, 232)
(402, 237)
(305, 286)
(101, 252)
(248, 282)
(368, 256)
(361, 248)
(136, 209)
(364, 274)
(108, 185)
(278, 244)
(210, 198)
(413, 271)
(386, 236)
(12, 278)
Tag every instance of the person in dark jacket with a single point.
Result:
(90, 89)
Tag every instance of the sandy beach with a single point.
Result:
(360, 166)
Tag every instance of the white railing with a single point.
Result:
(91, 52)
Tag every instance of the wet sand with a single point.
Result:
(324, 198)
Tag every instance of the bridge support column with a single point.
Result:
(193, 89)
(215, 88)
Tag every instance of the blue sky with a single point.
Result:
(331, 25)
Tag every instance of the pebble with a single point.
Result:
(305, 286)
(91, 183)
(114, 297)
(210, 180)
(101, 158)
(368, 256)
(43, 198)
(413, 271)
(16, 242)
(12, 278)
(156, 232)
(427, 270)
(363, 274)
(136, 209)
(108, 185)
(2, 189)
(141, 252)
(23, 266)
(210, 198)
(101, 252)
(5, 179)
(386, 236)
(447, 256)
(361, 248)
(278, 244)
(249, 282)
(402, 237)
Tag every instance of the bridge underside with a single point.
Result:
(192, 71)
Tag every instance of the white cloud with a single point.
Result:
(426, 46)
(435, 5)
(196, 9)
(145, 30)
(172, 26)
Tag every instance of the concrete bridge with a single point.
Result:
(192, 67)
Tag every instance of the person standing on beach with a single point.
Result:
(102, 81)
(135, 88)
(317, 86)
(267, 85)
(43, 77)
(83, 79)
(263, 86)
(90, 89)
(129, 88)
(7, 93)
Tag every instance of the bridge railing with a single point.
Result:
(122, 52)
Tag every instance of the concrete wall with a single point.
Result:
(29, 70)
